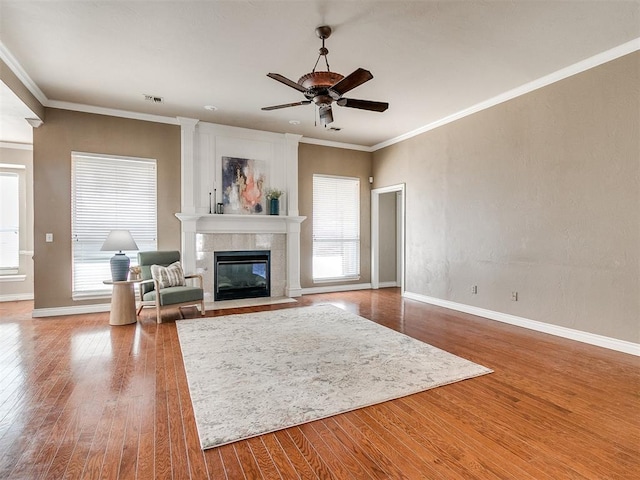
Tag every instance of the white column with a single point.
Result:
(291, 172)
(189, 170)
(189, 226)
(293, 287)
(189, 189)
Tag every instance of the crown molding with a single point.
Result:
(78, 107)
(8, 58)
(329, 143)
(579, 67)
(16, 145)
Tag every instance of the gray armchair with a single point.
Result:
(151, 295)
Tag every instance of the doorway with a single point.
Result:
(387, 236)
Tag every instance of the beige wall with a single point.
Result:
(539, 195)
(332, 161)
(66, 131)
(22, 289)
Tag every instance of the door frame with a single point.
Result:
(375, 232)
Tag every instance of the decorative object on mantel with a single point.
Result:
(273, 195)
(117, 241)
(242, 185)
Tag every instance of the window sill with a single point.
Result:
(12, 278)
(337, 279)
(91, 296)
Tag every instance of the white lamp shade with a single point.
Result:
(119, 240)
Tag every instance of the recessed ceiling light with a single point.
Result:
(211, 108)
(294, 122)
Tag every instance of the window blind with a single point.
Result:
(336, 228)
(9, 223)
(109, 193)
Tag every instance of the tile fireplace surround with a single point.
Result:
(206, 234)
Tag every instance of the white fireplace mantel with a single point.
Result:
(226, 223)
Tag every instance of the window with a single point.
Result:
(336, 228)
(108, 193)
(9, 223)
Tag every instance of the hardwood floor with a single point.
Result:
(82, 399)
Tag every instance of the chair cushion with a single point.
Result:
(172, 295)
(171, 276)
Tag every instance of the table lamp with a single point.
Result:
(119, 240)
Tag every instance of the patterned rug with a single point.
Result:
(255, 373)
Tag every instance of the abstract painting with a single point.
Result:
(243, 181)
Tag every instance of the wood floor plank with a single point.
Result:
(247, 461)
(279, 457)
(346, 453)
(395, 466)
(82, 399)
(215, 466)
(314, 460)
(296, 458)
(232, 466)
(336, 466)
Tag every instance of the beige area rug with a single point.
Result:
(247, 302)
(255, 373)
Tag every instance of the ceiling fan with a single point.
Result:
(325, 87)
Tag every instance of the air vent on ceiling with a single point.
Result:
(153, 98)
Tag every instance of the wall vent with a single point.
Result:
(153, 99)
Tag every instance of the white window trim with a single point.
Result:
(12, 272)
(349, 277)
(97, 291)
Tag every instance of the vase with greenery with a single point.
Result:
(273, 195)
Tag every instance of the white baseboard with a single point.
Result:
(74, 310)
(388, 284)
(578, 335)
(18, 297)
(336, 288)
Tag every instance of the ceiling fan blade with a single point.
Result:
(363, 104)
(351, 81)
(286, 81)
(285, 105)
(326, 115)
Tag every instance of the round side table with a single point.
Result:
(123, 302)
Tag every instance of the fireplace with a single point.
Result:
(242, 274)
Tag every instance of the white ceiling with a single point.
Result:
(429, 59)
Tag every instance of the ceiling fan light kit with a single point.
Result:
(325, 87)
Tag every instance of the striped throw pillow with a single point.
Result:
(171, 276)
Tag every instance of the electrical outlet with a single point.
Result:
(474, 289)
(514, 296)
(48, 237)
